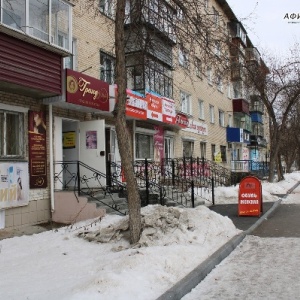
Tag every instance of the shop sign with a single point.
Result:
(14, 189)
(182, 120)
(154, 111)
(250, 197)
(136, 106)
(158, 143)
(168, 111)
(197, 128)
(69, 140)
(37, 149)
(86, 91)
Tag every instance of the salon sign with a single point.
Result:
(196, 127)
(86, 91)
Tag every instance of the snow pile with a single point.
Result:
(271, 191)
(164, 226)
(59, 265)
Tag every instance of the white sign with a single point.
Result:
(197, 127)
(14, 185)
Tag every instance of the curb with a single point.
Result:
(190, 281)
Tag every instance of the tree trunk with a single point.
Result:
(123, 135)
(279, 168)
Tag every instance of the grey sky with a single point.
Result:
(266, 24)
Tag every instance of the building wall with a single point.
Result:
(38, 209)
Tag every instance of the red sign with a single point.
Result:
(37, 149)
(136, 106)
(182, 120)
(154, 111)
(168, 110)
(87, 91)
(250, 197)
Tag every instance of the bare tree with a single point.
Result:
(279, 88)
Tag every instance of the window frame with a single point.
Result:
(186, 97)
(103, 67)
(151, 145)
(221, 118)
(212, 114)
(223, 151)
(209, 75)
(107, 8)
(183, 57)
(21, 134)
(201, 109)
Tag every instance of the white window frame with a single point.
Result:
(230, 120)
(209, 75)
(216, 17)
(198, 67)
(219, 83)
(186, 102)
(218, 48)
(103, 67)
(212, 114)
(221, 118)
(201, 109)
(183, 57)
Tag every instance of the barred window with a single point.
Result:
(11, 134)
(107, 68)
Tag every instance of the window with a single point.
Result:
(216, 17)
(143, 146)
(229, 90)
(11, 134)
(206, 4)
(203, 149)
(218, 48)
(188, 148)
(70, 62)
(213, 151)
(221, 118)
(169, 147)
(198, 67)
(107, 68)
(183, 57)
(230, 120)
(209, 75)
(185, 102)
(201, 109)
(106, 7)
(212, 113)
(219, 83)
(223, 153)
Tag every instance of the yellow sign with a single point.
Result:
(69, 139)
(218, 157)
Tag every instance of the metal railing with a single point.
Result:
(258, 168)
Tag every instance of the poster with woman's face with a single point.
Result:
(91, 139)
(37, 122)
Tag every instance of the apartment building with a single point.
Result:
(57, 93)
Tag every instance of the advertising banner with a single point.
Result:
(154, 111)
(197, 127)
(168, 111)
(86, 91)
(158, 143)
(136, 106)
(37, 149)
(14, 189)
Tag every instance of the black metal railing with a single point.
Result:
(84, 180)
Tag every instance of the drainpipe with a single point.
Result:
(51, 158)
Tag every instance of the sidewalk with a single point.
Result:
(273, 216)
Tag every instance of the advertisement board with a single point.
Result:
(14, 186)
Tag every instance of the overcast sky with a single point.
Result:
(266, 24)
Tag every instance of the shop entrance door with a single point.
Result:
(92, 149)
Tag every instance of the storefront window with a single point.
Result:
(11, 134)
(188, 148)
(143, 146)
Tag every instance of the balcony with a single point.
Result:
(252, 55)
(238, 31)
(236, 72)
(256, 104)
(258, 129)
(237, 135)
(256, 117)
(157, 15)
(240, 106)
(39, 23)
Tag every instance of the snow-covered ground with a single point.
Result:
(63, 264)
